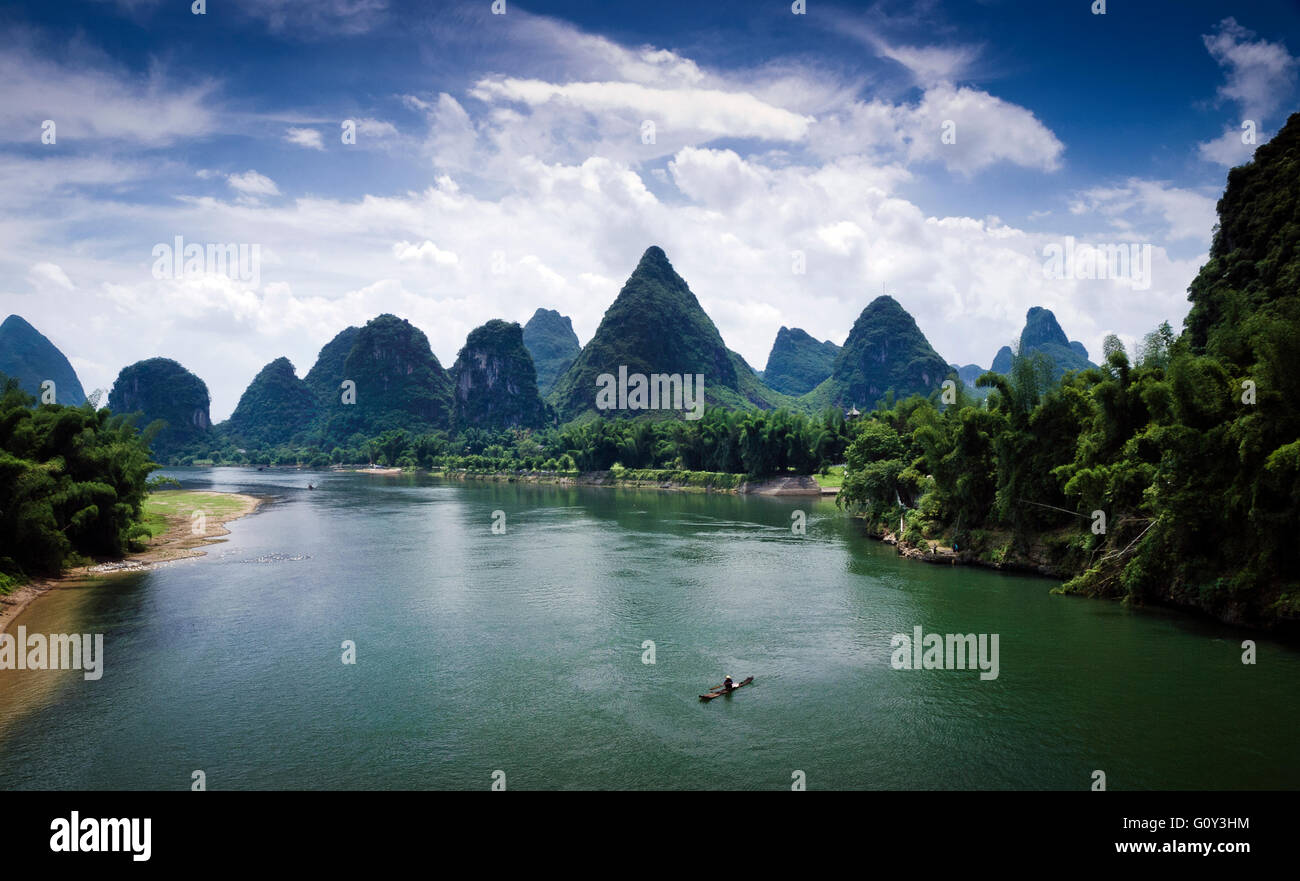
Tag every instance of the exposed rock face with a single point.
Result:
(495, 381)
(161, 389)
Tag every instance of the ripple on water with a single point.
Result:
(278, 558)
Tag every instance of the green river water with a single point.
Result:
(523, 653)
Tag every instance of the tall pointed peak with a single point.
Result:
(1041, 328)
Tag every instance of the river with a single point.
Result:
(523, 652)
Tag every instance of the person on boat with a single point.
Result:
(727, 684)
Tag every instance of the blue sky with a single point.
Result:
(500, 164)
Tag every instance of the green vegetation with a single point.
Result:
(72, 483)
(1189, 449)
(721, 441)
(27, 356)
(798, 363)
(275, 407)
(161, 391)
(885, 352)
(399, 383)
(163, 508)
(495, 385)
(551, 341)
(830, 477)
(326, 375)
(657, 326)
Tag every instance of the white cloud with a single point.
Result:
(42, 275)
(305, 137)
(405, 252)
(375, 128)
(1260, 76)
(253, 184)
(91, 101)
(715, 178)
(1182, 213)
(713, 112)
(985, 131)
(927, 65)
(1228, 149)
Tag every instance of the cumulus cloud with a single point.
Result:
(982, 130)
(1180, 213)
(1259, 76)
(305, 137)
(43, 275)
(405, 252)
(253, 184)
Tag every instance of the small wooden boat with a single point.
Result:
(711, 695)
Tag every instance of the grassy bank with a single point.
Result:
(167, 508)
(833, 479)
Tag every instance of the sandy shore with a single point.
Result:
(176, 543)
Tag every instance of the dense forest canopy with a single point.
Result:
(72, 482)
(1188, 449)
(798, 363)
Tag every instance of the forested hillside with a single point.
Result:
(1170, 474)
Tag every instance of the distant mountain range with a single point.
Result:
(384, 375)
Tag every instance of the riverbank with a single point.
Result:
(176, 535)
(1045, 557)
(659, 479)
(1058, 554)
